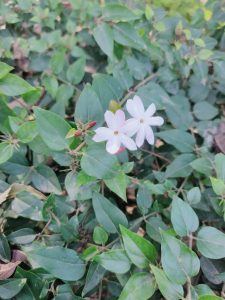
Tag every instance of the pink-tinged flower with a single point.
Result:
(141, 121)
(115, 133)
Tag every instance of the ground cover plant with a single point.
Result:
(112, 165)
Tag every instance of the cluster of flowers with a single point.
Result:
(120, 130)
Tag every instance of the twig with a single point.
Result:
(156, 155)
(189, 284)
(136, 87)
(76, 150)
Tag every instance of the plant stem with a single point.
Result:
(136, 87)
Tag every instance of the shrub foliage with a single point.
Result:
(76, 221)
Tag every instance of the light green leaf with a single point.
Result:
(118, 185)
(75, 72)
(61, 262)
(6, 151)
(103, 35)
(140, 251)
(183, 217)
(140, 286)
(4, 69)
(218, 186)
(107, 214)
(178, 260)
(100, 236)
(169, 289)
(202, 165)
(125, 34)
(194, 195)
(210, 297)
(118, 13)
(211, 242)
(27, 132)
(53, 129)
(115, 261)
(220, 166)
(12, 85)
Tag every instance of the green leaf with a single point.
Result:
(107, 88)
(115, 261)
(5, 253)
(140, 286)
(9, 288)
(88, 107)
(12, 85)
(99, 163)
(51, 85)
(4, 69)
(107, 214)
(61, 262)
(140, 251)
(180, 139)
(22, 236)
(75, 72)
(218, 186)
(205, 111)
(125, 34)
(210, 297)
(118, 185)
(52, 129)
(93, 278)
(183, 217)
(220, 166)
(27, 206)
(180, 167)
(45, 180)
(211, 242)
(118, 13)
(194, 195)
(6, 151)
(144, 199)
(202, 165)
(178, 261)
(204, 54)
(57, 61)
(153, 226)
(100, 236)
(103, 35)
(27, 132)
(169, 289)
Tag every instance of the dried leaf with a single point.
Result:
(6, 270)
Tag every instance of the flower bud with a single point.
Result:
(91, 124)
(78, 133)
(114, 106)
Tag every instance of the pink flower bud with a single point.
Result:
(91, 124)
(77, 133)
(120, 150)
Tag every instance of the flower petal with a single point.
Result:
(155, 121)
(150, 110)
(128, 142)
(131, 126)
(110, 119)
(149, 135)
(119, 118)
(139, 105)
(113, 145)
(102, 134)
(131, 108)
(140, 136)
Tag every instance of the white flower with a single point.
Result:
(115, 134)
(141, 121)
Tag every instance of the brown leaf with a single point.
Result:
(6, 270)
(220, 137)
(15, 188)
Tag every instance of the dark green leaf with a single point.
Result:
(13, 85)
(9, 288)
(107, 214)
(103, 35)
